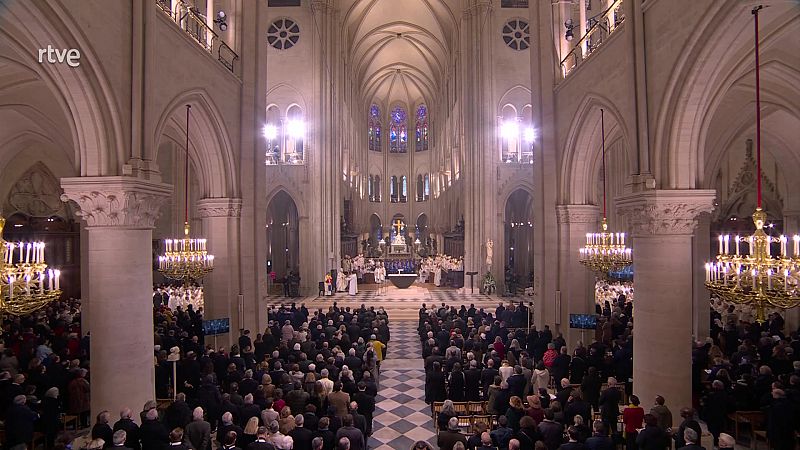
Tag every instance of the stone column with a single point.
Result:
(701, 312)
(119, 213)
(221, 288)
(576, 282)
(661, 224)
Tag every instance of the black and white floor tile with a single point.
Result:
(402, 417)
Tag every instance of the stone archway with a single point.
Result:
(283, 235)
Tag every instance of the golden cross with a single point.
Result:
(397, 226)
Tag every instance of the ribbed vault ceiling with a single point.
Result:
(399, 49)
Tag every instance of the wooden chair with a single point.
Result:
(752, 419)
(476, 408)
(67, 419)
(465, 422)
(436, 408)
(758, 434)
(483, 418)
(461, 408)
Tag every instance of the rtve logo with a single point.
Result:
(71, 56)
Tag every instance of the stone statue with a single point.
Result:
(489, 253)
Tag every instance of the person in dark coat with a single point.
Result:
(609, 405)
(652, 437)
(19, 422)
(716, 406)
(448, 438)
(301, 435)
(572, 443)
(552, 431)
(51, 416)
(102, 430)
(356, 437)
(590, 388)
(328, 436)
(599, 439)
(458, 382)
(472, 383)
(198, 431)
(126, 424)
(178, 414)
(577, 406)
(366, 405)
(153, 433)
(261, 442)
(435, 385)
(781, 421)
(119, 440)
(688, 422)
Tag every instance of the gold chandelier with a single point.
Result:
(26, 284)
(756, 278)
(185, 259)
(605, 251)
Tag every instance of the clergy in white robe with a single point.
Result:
(341, 281)
(353, 287)
(437, 276)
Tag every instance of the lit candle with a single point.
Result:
(796, 239)
(58, 281)
(28, 253)
(769, 279)
(783, 246)
(738, 239)
(708, 272)
(21, 245)
(50, 280)
(727, 238)
(622, 236)
(753, 272)
(720, 244)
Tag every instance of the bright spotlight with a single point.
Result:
(530, 135)
(296, 128)
(509, 130)
(270, 132)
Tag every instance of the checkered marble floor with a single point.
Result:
(401, 416)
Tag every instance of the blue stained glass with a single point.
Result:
(374, 111)
(422, 112)
(398, 115)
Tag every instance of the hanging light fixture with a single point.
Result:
(185, 259)
(26, 284)
(751, 275)
(605, 251)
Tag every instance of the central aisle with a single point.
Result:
(401, 416)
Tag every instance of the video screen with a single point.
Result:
(216, 326)
(583, 321)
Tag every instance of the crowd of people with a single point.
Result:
(44, 372)
(308, 382)
(544, 396)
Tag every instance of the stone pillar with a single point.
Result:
(701, 312)
(221, 288)
(576, 282)
(661, 224)
(119, 213)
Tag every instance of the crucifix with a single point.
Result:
(398, 226)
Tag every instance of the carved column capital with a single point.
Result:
(566, 214)
(116, 201)
(665, 212)
(219, 207)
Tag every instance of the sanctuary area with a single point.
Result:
(399, 224)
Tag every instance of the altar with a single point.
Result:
(402, 280)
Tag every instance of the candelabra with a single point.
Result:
(756, 278)
(605, 251)
(185, 259)
(26, 284)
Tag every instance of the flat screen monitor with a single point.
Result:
(216, 326)
(583, 321)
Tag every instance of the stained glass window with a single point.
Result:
(375, 128)
(404, 189)
(421, 143)
(398, 133)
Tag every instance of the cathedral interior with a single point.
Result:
(344, 150)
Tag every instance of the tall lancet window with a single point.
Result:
(403, 189)
(295, 133)
(398, 132)
(421, 143)
(427, 188)
(375, 128)
(394, 192)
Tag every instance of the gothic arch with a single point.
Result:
(210, 146)
(293, 193)
(582, 148)
(696, 88)
(83, 94)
